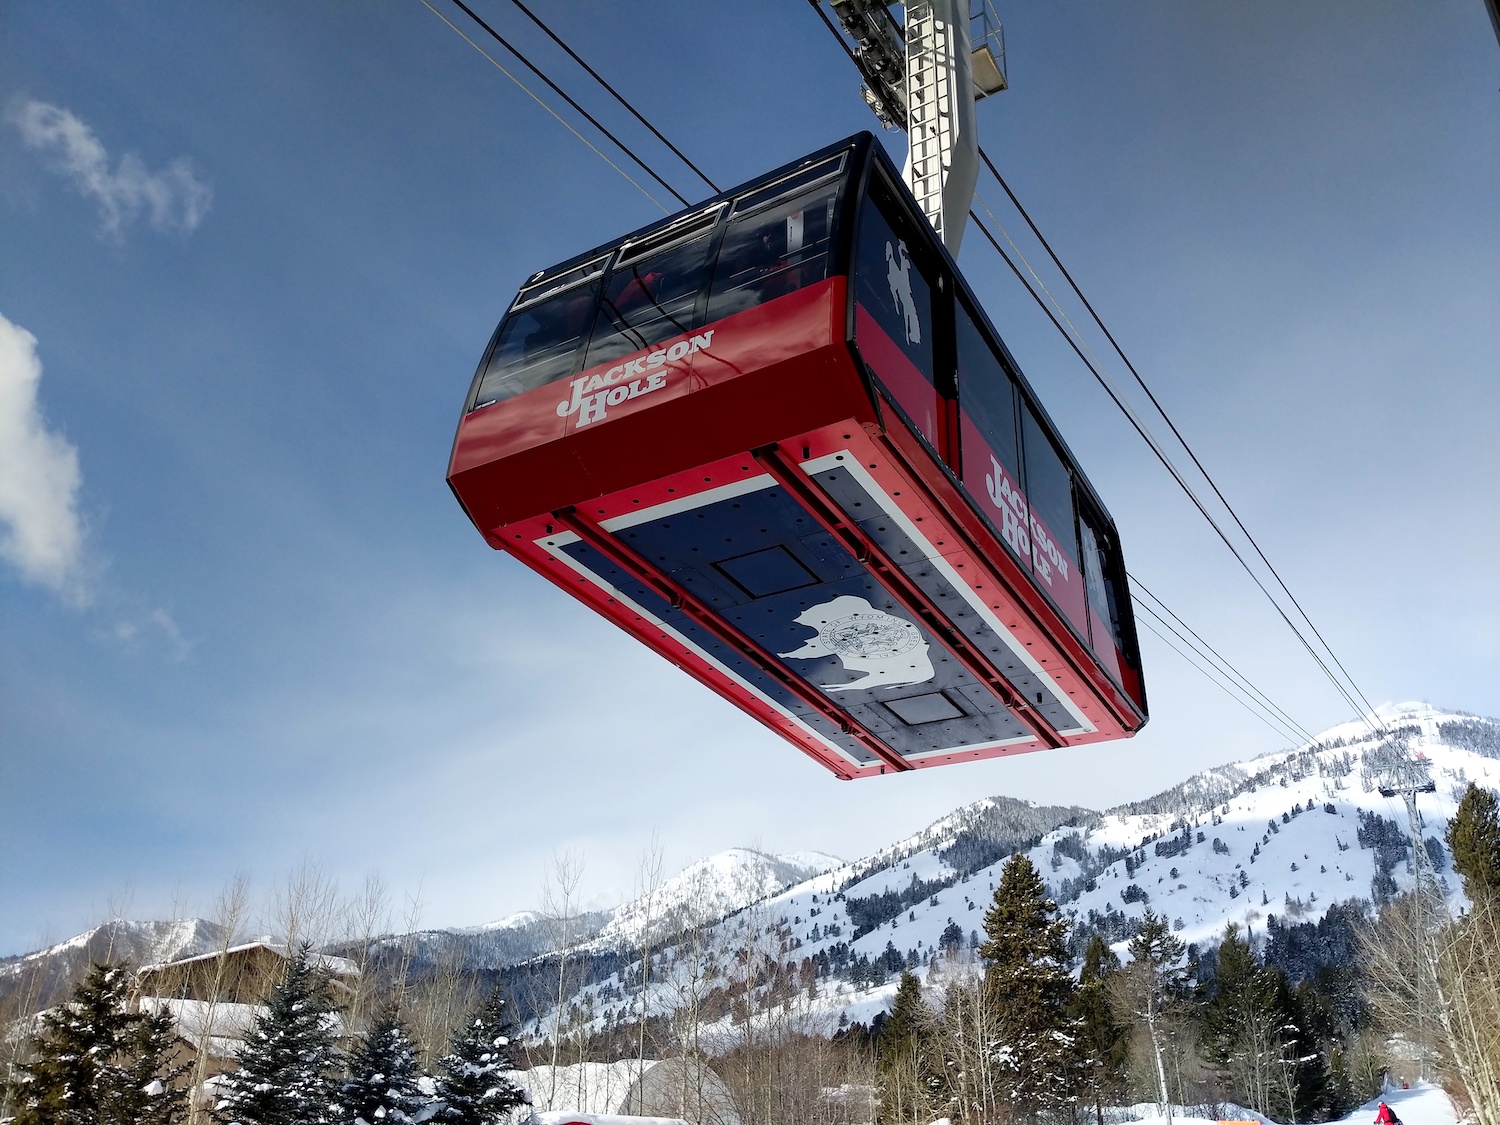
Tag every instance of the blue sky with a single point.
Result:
(256, 251)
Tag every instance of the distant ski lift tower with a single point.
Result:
(926, 78)
(1406, 781)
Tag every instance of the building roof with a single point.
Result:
(337, 966)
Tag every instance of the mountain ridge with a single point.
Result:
(1272, 841)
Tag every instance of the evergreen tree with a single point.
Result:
(97, 1063)
(1474, 840)
(289, 1060)
(472, 1086)
(1242, 1025)
(1303, 1093)
(908, 1077)
(1102, 1042)
(1261, 1037)
(382, 1084)
(1029, 990)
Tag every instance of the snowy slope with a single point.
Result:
(1288, 829)
(1288, 834)
(708, 890)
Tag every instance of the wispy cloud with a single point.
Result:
(139, 627)
(175, 198)
(41, 534)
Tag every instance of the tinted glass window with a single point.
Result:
(773, 251)
(538, 344)
(651, 297)
(1050, 490)
(1098, 572)
(1054, 541)
(989, 445)
(986, 393)
(889, 285)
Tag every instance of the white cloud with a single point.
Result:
(40, 532)
(174, 198)
(152, 625)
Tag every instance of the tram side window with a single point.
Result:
(1054, 542)
(537, 344)
(651, 298)
(991, 451)
(773, 251)
(1098, 576)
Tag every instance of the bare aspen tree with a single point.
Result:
(648, 882)
(437, 1004)
(409, 938)
(119, 907)
(690, 963)
(230, 909)
(1147, 996)
(20, 1006)
(965, 1033)
(366, 918)
(1469, 963)
(560, 908)
(1436, 977)
(307, 908)
(751, 981)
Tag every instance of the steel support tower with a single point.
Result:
(925, 78)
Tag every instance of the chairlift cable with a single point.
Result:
(560, 92)
(1275, 728)
(1171, 425)
(597, 77)
(1166, 463)
(532, 94)
(1137, 585)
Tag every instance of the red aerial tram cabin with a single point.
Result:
(776, 439)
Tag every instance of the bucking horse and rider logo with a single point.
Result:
(898, 277)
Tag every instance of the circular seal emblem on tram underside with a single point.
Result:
(889, 650)
(870, 636)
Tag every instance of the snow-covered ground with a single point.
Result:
(1423, 1104)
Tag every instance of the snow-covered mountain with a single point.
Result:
(1287, 834)
(37, 980)
(1283, 836)
(704, 892)
(517, 921)
(708, 890)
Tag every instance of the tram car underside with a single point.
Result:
(719, 436)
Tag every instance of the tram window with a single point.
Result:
(1054, 542)
(990, 447)
(986, 394)
(773, 251)
(753, 200)
(537, 344)
(891, 287)
(1104, 604)
(652, 297)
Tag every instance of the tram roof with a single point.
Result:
(863, 140)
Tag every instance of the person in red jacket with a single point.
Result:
(1385, 1115)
